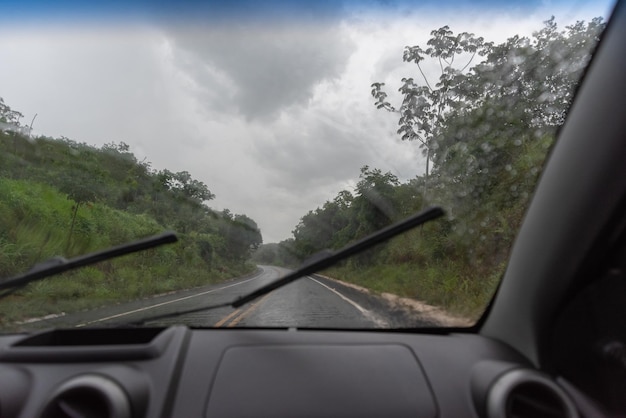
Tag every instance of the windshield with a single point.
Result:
(264, 134)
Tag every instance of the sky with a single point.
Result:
(268, 106)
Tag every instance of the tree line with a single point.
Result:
(485, 125)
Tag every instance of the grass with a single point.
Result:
(438, 284)
(34, 226)
(456, 263)
(119, 281)
(433, 267)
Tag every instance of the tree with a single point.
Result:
(327, 227)
(533, 80)
(82, 193)
(241, 235)
(185, 186)
(281, 254)
(426, 103)
(347, 217)
(9, 116)
(514, 102)
(522, 85)
(10, 122)
(374, 205)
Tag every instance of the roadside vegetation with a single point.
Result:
(485, 126)
(59, 197)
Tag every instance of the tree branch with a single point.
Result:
(424, 76)
(469, 62)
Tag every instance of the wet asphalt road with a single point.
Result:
(307, 302)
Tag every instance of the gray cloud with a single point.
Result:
(257, 69)
(306, 155)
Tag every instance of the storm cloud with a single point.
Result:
(260, 70)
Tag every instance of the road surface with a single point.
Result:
(310, 302)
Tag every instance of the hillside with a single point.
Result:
(64, 198)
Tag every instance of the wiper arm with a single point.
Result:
(318, 262)
(329, 258)
(59, 264)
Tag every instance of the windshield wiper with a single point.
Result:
(318, 262)
(58, 265)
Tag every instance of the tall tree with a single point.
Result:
(426, 103)
(524, 84)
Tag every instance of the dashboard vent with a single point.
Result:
(88, 396)
(526, 393)
(535, 400)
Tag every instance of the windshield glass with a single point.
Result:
(265, 133)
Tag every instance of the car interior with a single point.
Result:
(551, 344)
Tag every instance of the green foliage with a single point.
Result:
(241, 236)
(184, 186)
(61, 197)
(522, 83)
(113, 176)
(374, 204)
(486, 130)
(8, 116)
(349, 217)
(281, 254)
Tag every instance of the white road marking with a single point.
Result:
(145, 308)
(371, 316)
(350, 301)
(41, 318)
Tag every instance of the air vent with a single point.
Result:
(526, 393)
(88, 396)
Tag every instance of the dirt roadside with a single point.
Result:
(395, 311)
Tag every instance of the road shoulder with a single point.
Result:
(396, 311)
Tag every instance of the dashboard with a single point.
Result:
(182, 372)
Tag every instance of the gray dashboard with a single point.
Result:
(185, 372)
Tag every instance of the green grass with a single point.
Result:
(440, 285)
(34, 226)
(432, 266)
(111, 282)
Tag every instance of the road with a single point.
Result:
(310, 302)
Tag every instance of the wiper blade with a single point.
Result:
(59, 264)
(318, 262)
(329, 258)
